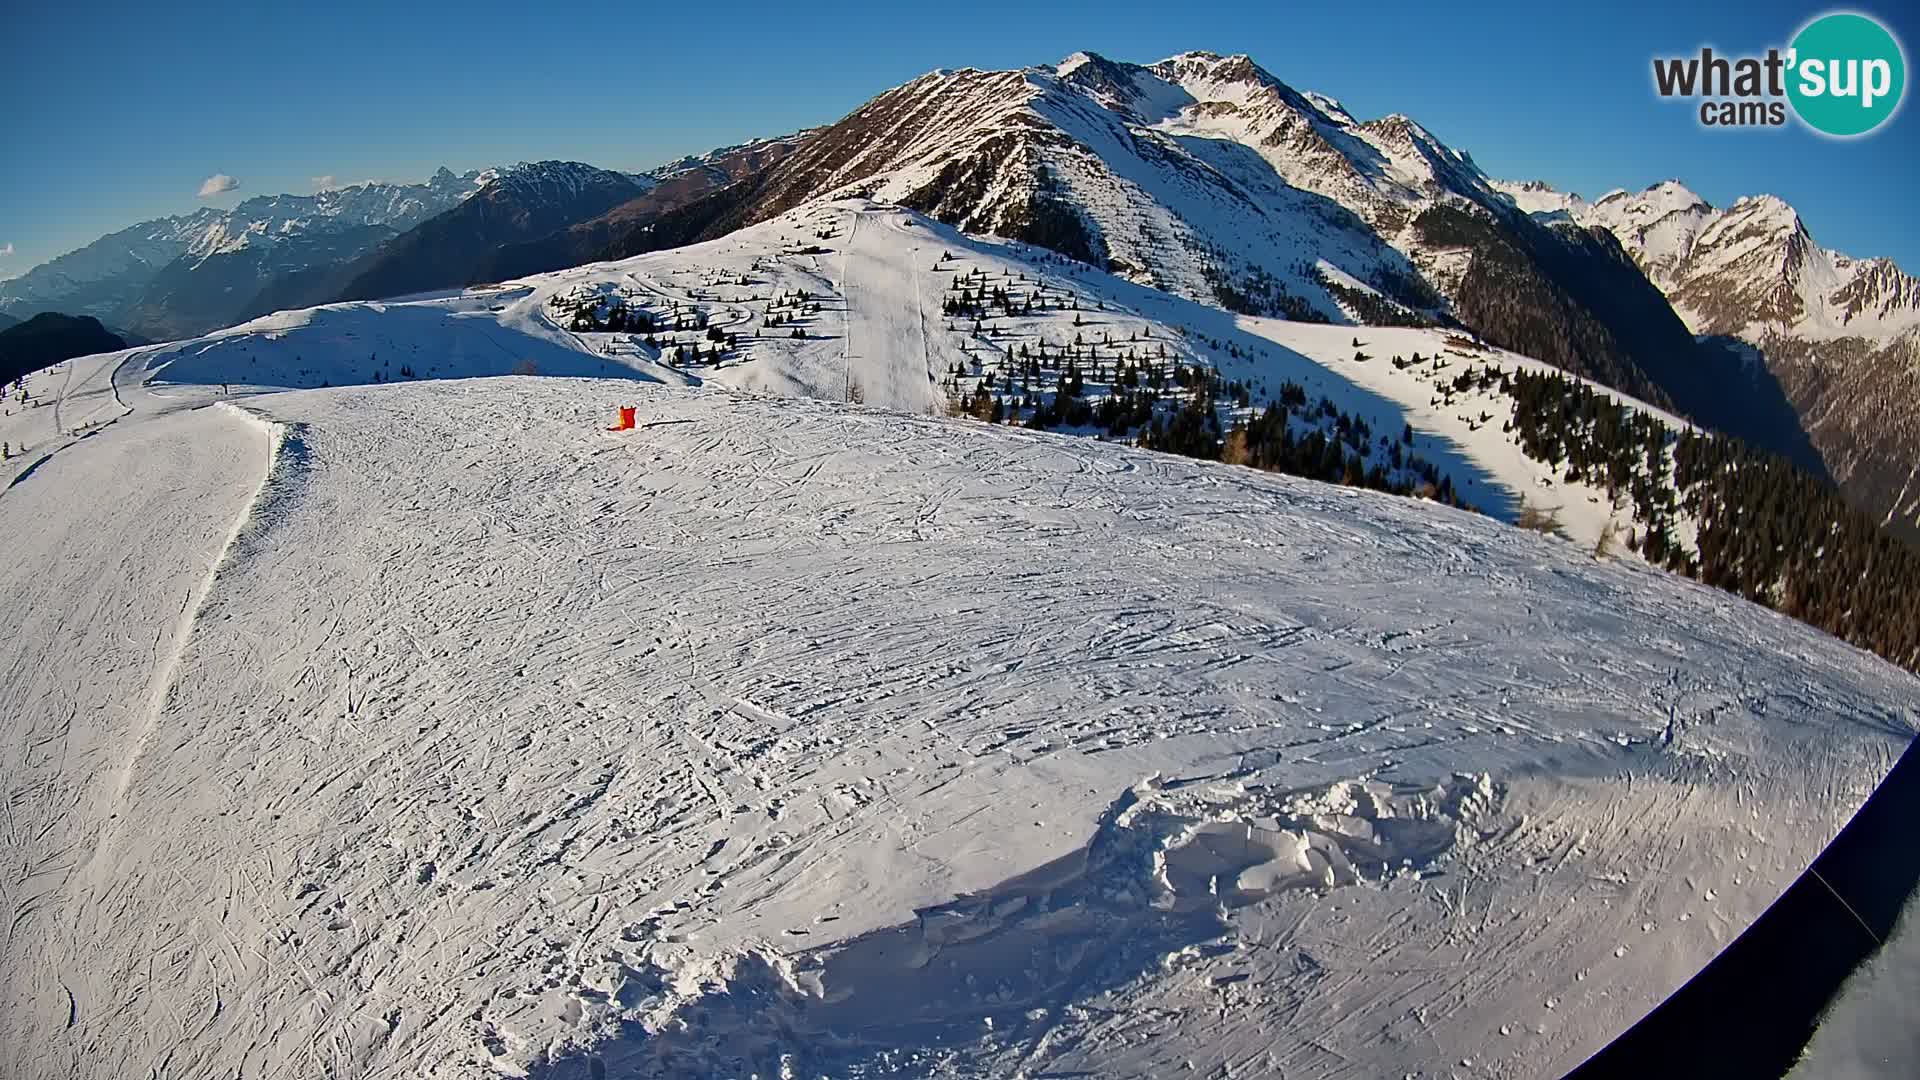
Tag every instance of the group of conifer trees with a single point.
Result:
(1176, 408)
(1765, 529)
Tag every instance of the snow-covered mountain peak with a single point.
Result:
(1656, 201)
(1074, 63)
(108, 277)
(1839, 336)
(548, 171)
(1751, 268)
(1674, 191)
(1767, 210)
(1658, 225)
(1398, 132)
(1185, 173)
(1541, 198)
(1331, 106)
(271, 218)
(1236, 79)
(1216, 70)
(1115, 85)
(1766, 229)
(1877, 292)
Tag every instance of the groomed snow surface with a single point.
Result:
(430, 729)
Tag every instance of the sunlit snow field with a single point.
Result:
(428, 728)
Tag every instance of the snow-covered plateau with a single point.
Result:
(365, 718)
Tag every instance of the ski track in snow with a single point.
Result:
(72, 400)
(800, 737)
(119, 527)
(877, 279)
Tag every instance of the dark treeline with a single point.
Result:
(1337, 448)
(1131, 388)
(1587, 437)
(1777, 536)
(1766, 529)
(1176, 408)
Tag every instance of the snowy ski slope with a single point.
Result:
(875, 277)
(432, 730)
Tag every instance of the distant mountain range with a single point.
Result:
(1201, 174)
(180, 276)
(1829, 341)
(187, 274)
(510, 205)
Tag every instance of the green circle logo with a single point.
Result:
(1848, 74)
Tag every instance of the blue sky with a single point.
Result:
(118, 113)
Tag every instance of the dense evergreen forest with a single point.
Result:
(1763, 527)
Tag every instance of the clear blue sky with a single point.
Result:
(117, 113)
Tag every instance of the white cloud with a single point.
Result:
(324, 183)
(217, 184)
(8, 250)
